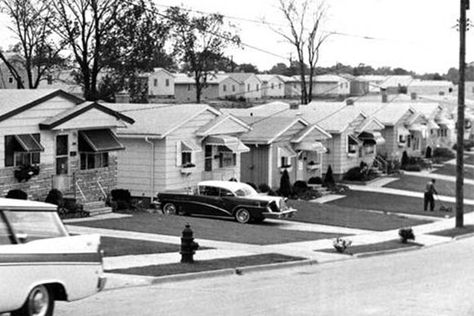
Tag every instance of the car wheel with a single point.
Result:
(170, 209)
(39, 302)
(242, 216)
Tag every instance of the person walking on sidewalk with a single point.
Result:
(429, 191)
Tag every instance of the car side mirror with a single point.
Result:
(22, 237)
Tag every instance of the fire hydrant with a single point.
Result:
(188, 246)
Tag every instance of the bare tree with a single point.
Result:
(38, 52)
(304, 19)
(83, 25)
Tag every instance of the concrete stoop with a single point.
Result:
(97, 208)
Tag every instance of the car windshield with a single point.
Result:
(245, 191)
(36, 225)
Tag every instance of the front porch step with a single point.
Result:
(99, 211)
(93, 205)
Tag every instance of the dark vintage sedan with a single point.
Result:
(225, 199)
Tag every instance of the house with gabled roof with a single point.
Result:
(273, 86)
(250, 85)
(174, 146)
(354, 135)
(160, 84)
(280, 143)
(218, 86)
(54, 140)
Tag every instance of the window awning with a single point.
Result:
(189, 146)
(28, 143)
(99, 140)
(286, 151)
(417, 127)
(311, 146)
(432, 125)
(446, 123)
(232, 143)
(403, 131)
(353, 140)
(371, 138)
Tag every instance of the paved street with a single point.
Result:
(435, 280)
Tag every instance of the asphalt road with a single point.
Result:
(437, 280)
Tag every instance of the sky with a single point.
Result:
(418, 35)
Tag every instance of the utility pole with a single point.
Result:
(460, 123)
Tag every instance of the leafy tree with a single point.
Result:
(248, 68)
(134, 45)
(38, 51)
(226, 64)
(285, 185)
(199, 43)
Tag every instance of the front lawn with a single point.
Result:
(450, 170)
(389, 203)
(208, 265)
(454, 232)
(348, 215)
(266, 233)
(418, 184)
(469, 159)
(381, 246)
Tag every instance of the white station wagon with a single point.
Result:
(40, 262)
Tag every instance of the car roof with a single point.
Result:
(230, 185)
(26, 205)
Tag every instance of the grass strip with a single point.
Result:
(123, 246)
(208, 265)
(455, 232)
(381, 246)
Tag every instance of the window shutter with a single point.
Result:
(193, 157)
(278, 157)
(178, 154)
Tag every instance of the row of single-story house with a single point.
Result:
(165, 85)
(52, 139)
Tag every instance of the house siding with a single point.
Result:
(254, 165)
(183, 94)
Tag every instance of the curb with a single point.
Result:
(463, 236)
(387, 252)
(192, 276)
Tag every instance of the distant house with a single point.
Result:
(273, 86)
(430, 87)
(392, 84)
(7, 81)
(330, 86)
(176, 146)
(292, 87)
(280, 143)
(62, 79)
(65, 142)
(218, 86)
(160, 84)
(250, 85)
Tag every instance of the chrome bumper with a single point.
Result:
(283, 214)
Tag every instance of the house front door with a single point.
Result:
(62, 179)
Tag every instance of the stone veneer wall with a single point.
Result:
(37, 187)
(87, 180)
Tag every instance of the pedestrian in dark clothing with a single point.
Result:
(429, 191)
